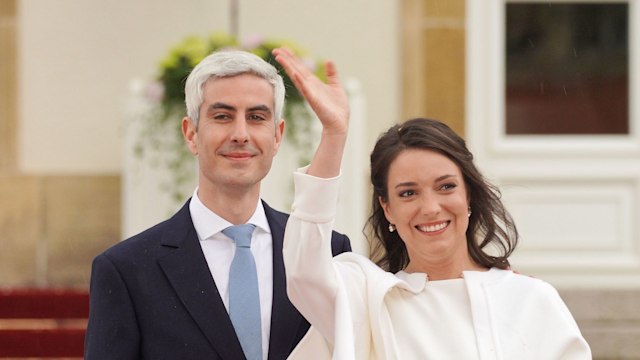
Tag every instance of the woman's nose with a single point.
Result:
(430, 205)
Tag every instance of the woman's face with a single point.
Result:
(428, 203)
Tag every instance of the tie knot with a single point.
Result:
(241, 234)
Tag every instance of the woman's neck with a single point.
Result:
(444, 271)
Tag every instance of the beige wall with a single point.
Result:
(433, 59)
(7, 85)
(52, 227)
(77, 58)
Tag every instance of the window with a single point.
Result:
(567, 68)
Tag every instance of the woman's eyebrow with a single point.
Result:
(411, 183)
(443, 177)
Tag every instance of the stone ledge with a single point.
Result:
(609, 321)
(613, 341)
(53, 227)
(20, 211)
(603, 304)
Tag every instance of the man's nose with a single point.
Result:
(240, 131)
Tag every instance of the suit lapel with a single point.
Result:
(285, 319)
(187, 270)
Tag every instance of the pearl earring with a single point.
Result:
(392, 228)
(469, 209)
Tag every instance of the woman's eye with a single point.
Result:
(448, 186)
(407, 193)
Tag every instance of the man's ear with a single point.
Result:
(280, 126)
(190, 134)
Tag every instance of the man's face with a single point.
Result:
(237, 137)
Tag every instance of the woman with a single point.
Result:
(442, 289)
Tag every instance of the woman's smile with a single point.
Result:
(434, 228)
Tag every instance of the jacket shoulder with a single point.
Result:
(150, 239)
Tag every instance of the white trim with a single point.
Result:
(581, 145)
(601, 172)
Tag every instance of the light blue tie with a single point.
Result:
(244, 299)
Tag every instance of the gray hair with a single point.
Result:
(227, 63)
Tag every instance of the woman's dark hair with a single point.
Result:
(489, 223)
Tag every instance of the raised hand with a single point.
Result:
(328, 100)
(330, 103)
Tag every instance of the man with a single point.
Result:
(165, 293)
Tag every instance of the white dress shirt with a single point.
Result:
(219, 250)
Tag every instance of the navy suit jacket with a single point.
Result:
(153, 297)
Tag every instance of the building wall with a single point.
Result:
(553, 177)
(52, 222)
(433, 58)
(7, 85)
(434, 64)
(67, 71)
(77, 59)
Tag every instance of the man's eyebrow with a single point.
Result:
(264, 108)
(220, 105)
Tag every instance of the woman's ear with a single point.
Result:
(386, 208)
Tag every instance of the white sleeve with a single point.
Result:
(562, 331)
(312, 282)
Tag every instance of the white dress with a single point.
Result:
(446, 304)
(358, 311)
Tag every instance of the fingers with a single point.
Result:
(291, 64)
(332, 73)
(323, 97)
(298, 72)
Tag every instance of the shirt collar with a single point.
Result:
(207, 223)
